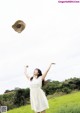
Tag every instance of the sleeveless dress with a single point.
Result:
(38, 97)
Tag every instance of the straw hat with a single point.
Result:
(19, 26)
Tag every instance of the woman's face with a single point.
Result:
(36, 72)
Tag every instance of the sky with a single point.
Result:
(52, 34)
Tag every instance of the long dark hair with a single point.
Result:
(40, 74)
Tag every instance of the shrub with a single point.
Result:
(19, 98)
(66, 90)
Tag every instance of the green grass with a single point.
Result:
(69, 109)
(69, 103)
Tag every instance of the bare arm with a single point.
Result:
(25, 71)
(44, 75)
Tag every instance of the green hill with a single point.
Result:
(69, 103)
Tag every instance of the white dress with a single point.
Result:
(38, 98)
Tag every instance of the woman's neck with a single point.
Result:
(35, 76)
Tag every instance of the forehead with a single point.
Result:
(36, 70)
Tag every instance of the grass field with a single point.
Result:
(69, 103)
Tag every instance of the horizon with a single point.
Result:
(28, 87)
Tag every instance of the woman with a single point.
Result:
(38, 99)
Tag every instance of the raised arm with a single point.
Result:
(25, 71)
(44, 75)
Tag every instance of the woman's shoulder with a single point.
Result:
(40, 77)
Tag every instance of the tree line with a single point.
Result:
(18, 96)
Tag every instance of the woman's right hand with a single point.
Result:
(27, 66)
(53, 63)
